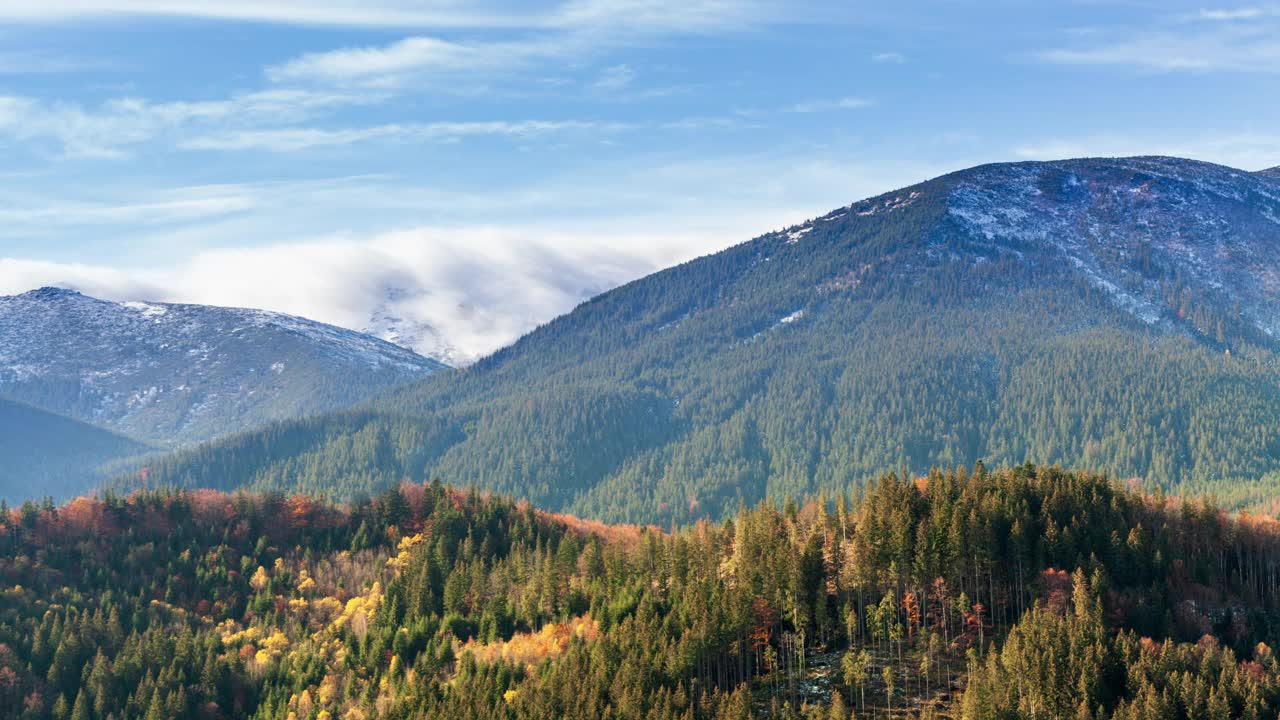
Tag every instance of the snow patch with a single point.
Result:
(147, 309)
(890, 204)
(794, 236)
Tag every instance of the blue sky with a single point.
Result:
(490, 164)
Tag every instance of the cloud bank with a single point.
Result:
(462, 292)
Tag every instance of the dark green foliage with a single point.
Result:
(46, 454)
(258, 605)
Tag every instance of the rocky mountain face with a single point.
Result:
(1109, 314)
(169, 374)
(1157, 235)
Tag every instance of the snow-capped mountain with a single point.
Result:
(169, 373)
(388, 322)
(1155, 234)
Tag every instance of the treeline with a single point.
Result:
(1024, 592)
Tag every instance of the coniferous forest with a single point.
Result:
(1023, 592)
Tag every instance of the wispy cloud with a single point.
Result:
(108, 130)
(615, 77)
(889, 57)
(295, 139)
(1232, 14)
(1238, 40)
(844, 103)
(181, 205)
(300, 93)
(414, 57)
(355, 13)
(34, 62)
(673, 16)
(607, 15)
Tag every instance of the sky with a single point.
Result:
(481, 167)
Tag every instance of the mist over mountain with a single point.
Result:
(1115, 314)
(390, 322)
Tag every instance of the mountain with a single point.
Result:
(147, 376)
(1112, 314)
(390, 322)
(178, 373)
(1271, 172)
(45, 454)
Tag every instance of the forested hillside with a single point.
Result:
(1117, 315)
(1026, 592)
(40, 452)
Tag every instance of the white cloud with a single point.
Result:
(572, 29)
(107, 130)
(889, 57)
(844, 103)
(296, 139)
(479, 287)
(1254, 47)
(677, 16)
(363, 13)
(178, 206)
(630, 15)
(1232, 14)
(390, 65)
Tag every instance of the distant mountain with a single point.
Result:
(170, 374)
(391, 323)
(1271, 172)
(1113, 314)
(45, 454)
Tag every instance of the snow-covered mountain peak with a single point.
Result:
(176, 372)
(1129, 226)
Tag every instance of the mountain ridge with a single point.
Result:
(1116, 314)
(170, 374)
(52, 453)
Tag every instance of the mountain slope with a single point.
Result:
(169, 374)
(1271, 172)
(46, 454)
(1115, 314)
